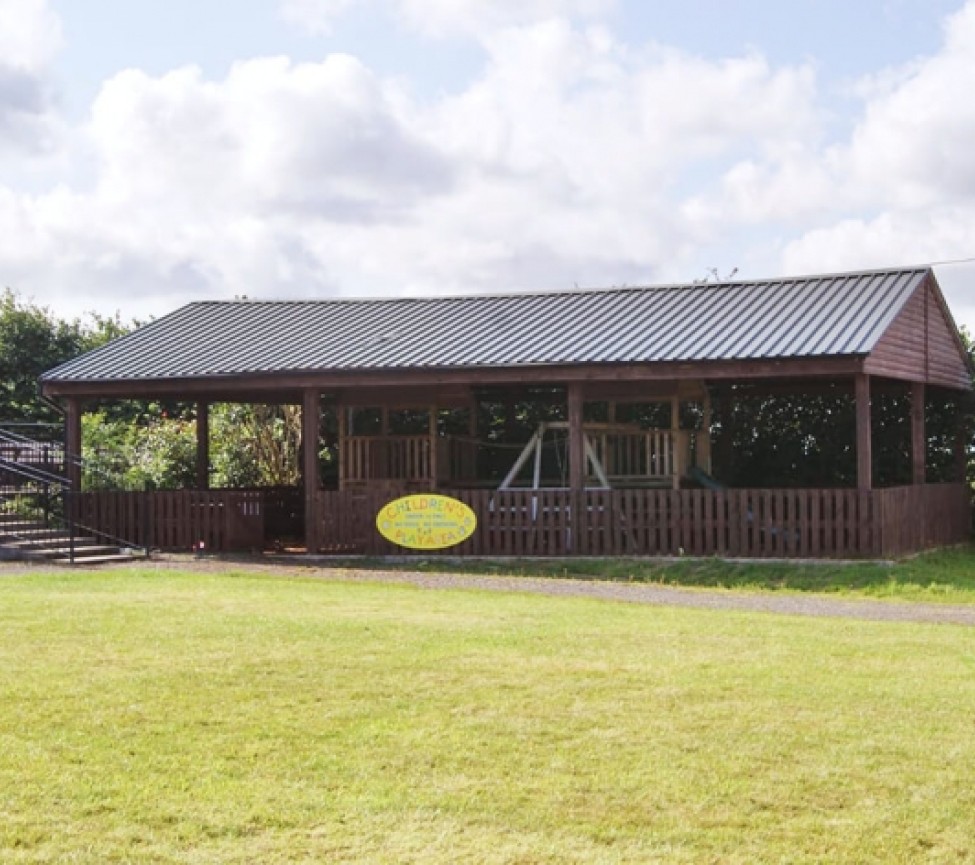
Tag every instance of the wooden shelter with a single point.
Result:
(619, 487)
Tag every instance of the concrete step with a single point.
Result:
(55, 541)
(30, 539)
(108, 558)
(27, 532)
(81, 551)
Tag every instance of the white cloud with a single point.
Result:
(30, 36)
(571, 158)
(900, 190)
(558, 165)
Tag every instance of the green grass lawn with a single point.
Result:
(942, 576)
(156, 716)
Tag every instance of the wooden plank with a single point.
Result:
(576, 445)
(287, 387)
(685, 520)
(521, 524)
(653, 520)
(918, 435)
(202, 445)
(699, 541)
(790, 528)
(770, 533)
(541, 518)
(847, 499)
(732, 511)
(311, 414)
(863, 432)
(133, 528)
(719, 505)
(816, 522)
(865, 542)
(745, 519)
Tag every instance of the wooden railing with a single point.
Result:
(653, 455)
(656, 457)
(225, 520)
(407, 459)
(371, 458)
(920, 517)
(835, 523)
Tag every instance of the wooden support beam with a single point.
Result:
(434, 450)
(311, 412)
(961, 449)
(203, 445)
(72, 441)
(342, 421)
(287, 387)
(510, 420)
(721, 448)
(704, 441)
(675, 437)
(919, 440)
(861, 385)
(577, 450)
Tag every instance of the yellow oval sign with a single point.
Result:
(426, 522)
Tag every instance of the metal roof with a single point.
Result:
(813, 316)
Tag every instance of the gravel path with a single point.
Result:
(638, 593)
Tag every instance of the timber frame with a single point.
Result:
(919, 347)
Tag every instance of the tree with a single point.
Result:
(32, 341)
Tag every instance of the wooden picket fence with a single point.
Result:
(831, 523)
(225, 520)
(921, 517)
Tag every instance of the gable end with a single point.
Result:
(922, 343)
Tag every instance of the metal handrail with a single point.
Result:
(68, 459)
(63, 489)
(33, 473)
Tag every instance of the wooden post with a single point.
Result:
(310, 424)
(202, 445)
(577, 471)
(510, 419)
(704, 442)
(961, 450)
(678, 466)
(577, 447)
(434, 440)
(722, 447)
(918, 434)
(861, 387)
(72, 442)
(342, 422)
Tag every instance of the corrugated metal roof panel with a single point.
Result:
(843, 314)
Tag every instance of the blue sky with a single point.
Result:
(155, 153)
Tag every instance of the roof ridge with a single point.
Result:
(564, 292)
